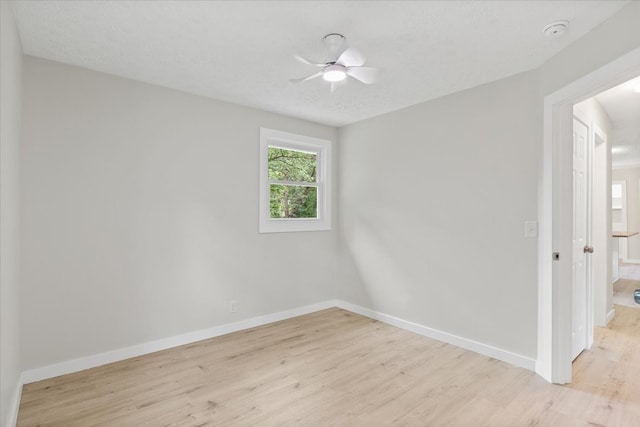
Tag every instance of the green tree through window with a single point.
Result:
(290, 197)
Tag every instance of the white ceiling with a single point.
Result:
(622, 104)
(242, 51)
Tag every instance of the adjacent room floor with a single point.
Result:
(337, 368)
(628, 282)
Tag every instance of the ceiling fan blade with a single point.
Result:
(308, 61)
(366, 75)
(304, 79)
(351, 58)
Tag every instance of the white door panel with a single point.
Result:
(579, 289)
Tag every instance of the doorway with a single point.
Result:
(606, 154)
(556, 215)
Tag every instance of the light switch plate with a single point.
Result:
(531, 229)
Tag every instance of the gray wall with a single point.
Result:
(613, 38)
(10, 98)
(140, 209)
(433, 201)
(141, 218)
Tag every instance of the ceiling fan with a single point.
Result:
(342, 61)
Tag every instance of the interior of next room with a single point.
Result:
(320, 213)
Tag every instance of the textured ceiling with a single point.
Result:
(622, 104)
(242, 51)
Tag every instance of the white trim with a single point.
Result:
(95, 360)
(610, 315)
(631, 261)
(291, 141)
(554, 296)
(14, 405)
(100, 359)
(601, 238)
(467, 344)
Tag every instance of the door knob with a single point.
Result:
(588, 249)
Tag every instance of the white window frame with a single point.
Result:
(290, 141)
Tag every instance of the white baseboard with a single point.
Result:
(610, 315)
(467, 344)
(14, 405)
(100, 359)
(631, 261)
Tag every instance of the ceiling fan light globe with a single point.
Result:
(334, 76)
(334, 73)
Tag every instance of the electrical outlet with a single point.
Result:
(233, 306)
(531, 229)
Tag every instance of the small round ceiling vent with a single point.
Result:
(556, 29)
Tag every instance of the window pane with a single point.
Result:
(291, 165)
(290, 201)
(616, 191)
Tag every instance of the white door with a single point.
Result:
(579, 291)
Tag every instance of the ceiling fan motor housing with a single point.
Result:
(334, 45)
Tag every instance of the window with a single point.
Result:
(294, 182)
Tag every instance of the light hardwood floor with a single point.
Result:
(336, 368)
(623, 292)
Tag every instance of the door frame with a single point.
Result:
(556, 214)
(601, 227)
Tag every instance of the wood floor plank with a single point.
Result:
(337, 368)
